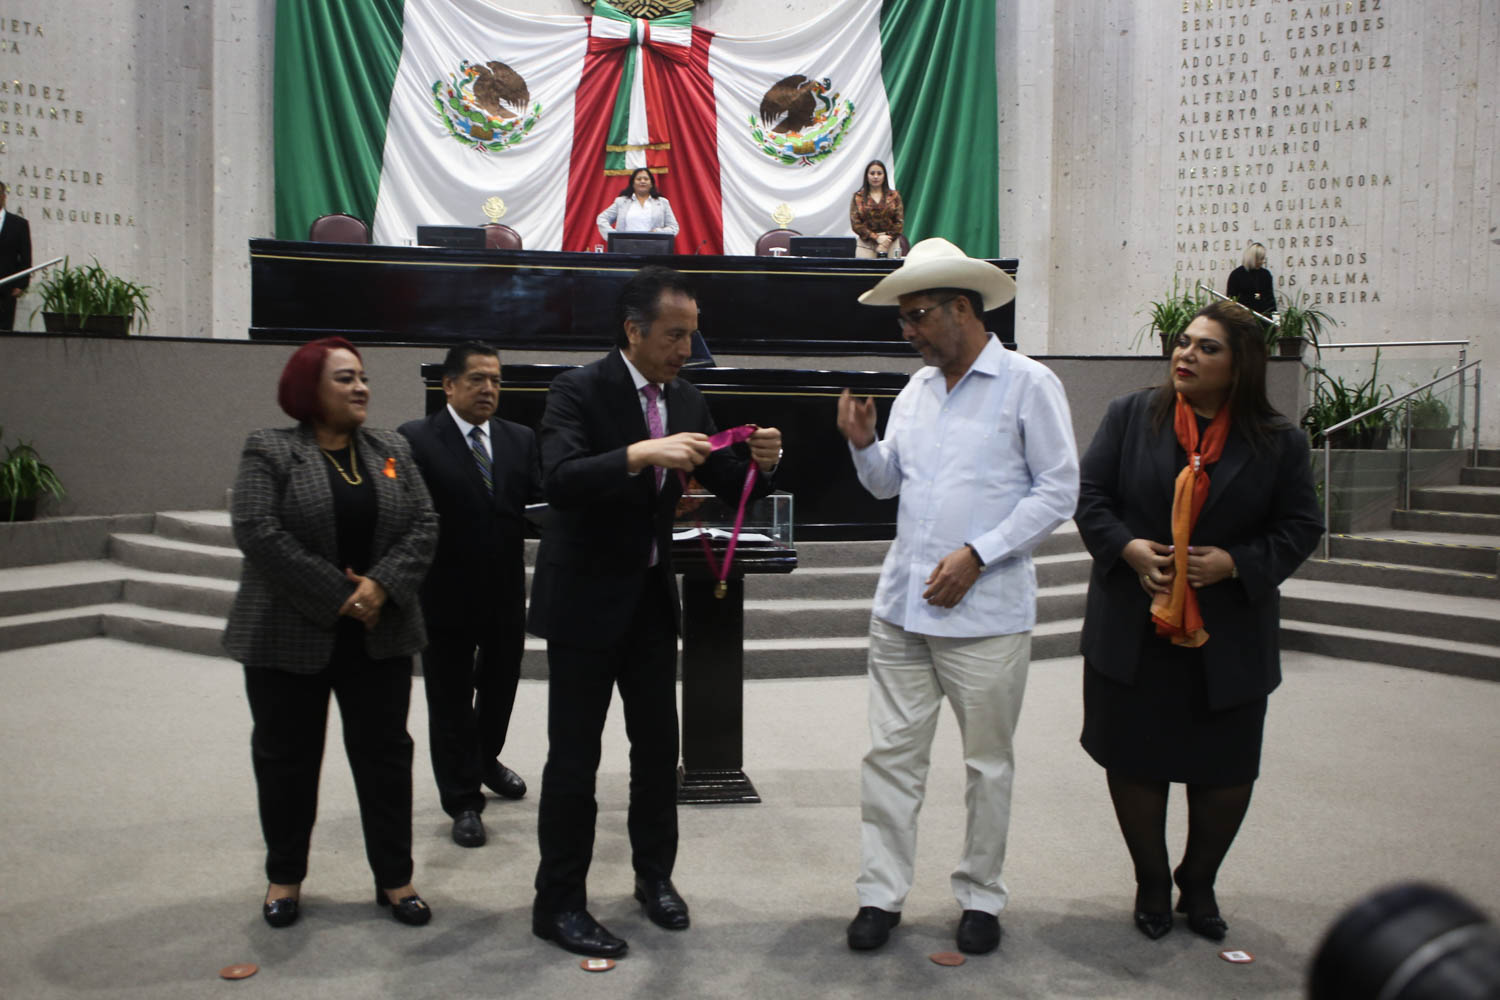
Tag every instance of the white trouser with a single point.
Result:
(985, 680)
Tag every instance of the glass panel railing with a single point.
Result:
(1376, 451)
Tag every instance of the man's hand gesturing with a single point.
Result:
(857, 419)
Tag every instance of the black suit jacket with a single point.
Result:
(1261, 508)
(591, 565)
(15, 249)
(479, 570)
(15, 255)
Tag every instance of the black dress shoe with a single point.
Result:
(1202, 911)
(1205, 923)
(503, 781)
(409, 910)
(468, 829)
(978, 932)
(871, 927)
(579, 933)
(660, 900)
(1154, 925)
(280, 912)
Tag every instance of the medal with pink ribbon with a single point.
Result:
(724, 439)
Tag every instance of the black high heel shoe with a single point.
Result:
(281, 912)
(409, 910)
(1203, 920)
(1155, 924)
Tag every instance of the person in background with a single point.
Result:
(15, 255)
(876, 214)
(1196, 502)
(337, 531)
(481, 472)
(1251, 284)
(640, 208)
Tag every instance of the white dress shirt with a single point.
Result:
(992, 463)
(464, 428)
(640, 397)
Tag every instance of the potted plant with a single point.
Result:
(1300, 324)
(1170, 315)
(1335, 401)
(24, 478)
(91, 300)
(1431, 421)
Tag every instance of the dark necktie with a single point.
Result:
(481, 458)
(653, 424)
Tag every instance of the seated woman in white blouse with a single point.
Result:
(640, 208)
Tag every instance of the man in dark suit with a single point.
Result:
(481, 473)
(15, 255)
(614, 435)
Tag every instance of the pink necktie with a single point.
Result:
(653, 424)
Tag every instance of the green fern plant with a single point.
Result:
(90, 290)
(24, 476)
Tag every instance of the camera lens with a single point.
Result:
(1408, 942)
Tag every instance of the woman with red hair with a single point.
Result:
(337, 530)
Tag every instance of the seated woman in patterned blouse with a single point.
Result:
(876, 214)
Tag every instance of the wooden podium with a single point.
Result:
(713, 669)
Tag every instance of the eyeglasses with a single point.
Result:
(904, 320)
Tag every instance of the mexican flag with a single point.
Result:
(462, 112)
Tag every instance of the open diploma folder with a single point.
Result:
(746, 537)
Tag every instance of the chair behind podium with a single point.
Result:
(338, 228)
(775, 239)
(498, 236)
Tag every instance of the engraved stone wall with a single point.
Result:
(139, 133)
(1355, 139)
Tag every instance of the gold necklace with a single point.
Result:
(353, 464)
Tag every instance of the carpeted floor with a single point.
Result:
(131, 856)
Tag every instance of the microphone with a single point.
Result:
(699, 252)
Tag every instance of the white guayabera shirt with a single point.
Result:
(991, 463)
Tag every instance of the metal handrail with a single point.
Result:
(1224, 298)
(1393, 401)
(1404, 343)
(1462, 345)
(1405, 397)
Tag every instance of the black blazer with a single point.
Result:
(1261, 508)
(291, 585)
(591, 565)
(15, 255)
(479, 571)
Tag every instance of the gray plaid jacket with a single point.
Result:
(291, 586)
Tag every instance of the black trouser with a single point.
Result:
(7, 307)
(471, 677)
(291, 720)
(644, 665)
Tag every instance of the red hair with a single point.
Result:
(297, 391)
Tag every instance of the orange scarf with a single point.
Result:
(1176, 614)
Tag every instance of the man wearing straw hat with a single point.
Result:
(979, 446)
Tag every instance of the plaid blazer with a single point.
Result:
(292, 586)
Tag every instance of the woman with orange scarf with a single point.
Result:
(1196, 501)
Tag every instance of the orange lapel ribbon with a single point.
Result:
(1176, 614)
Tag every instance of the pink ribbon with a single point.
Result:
(724, 439)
